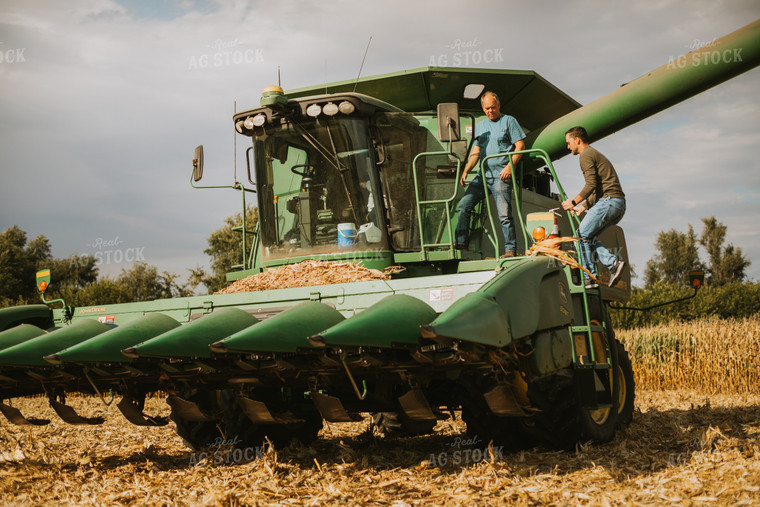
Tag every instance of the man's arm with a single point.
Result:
(588, 167)
(572, 203)
(506, 173)
(471, 162)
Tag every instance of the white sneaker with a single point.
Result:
(616, 271)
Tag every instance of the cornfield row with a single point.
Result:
(709, 355)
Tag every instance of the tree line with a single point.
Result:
(75, 279)
(726, 292)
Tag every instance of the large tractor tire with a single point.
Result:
(398, 424)
(198, 435)
(304, 432)
(627, 391)
(240, 429)
(561, 421)
(483, 426)
(246, 433)
(624, 377)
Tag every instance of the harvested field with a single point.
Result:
(682, 448)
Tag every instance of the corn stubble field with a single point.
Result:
(694, 440)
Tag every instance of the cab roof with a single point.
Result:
(524, 94)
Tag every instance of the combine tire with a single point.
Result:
(241, 431)
(483, 426)
(398, 424)
(561, 421)
(599, 425)
(304, 432)
(627, 392)
(246, 433)
(557, 423)
(197, 434)
(624, 378)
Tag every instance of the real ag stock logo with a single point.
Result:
(226, 53)
(467, 52)
(707, 53)
(12, 55)
(109, 251)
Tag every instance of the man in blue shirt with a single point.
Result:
(498, 133)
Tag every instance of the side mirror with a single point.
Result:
(198, 163)
(448, 121)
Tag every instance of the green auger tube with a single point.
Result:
(392, 321)
(107, 347)
(192, 340)
(19, 334)
(32, 352)
(285, 332)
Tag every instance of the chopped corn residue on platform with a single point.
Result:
(305, 274)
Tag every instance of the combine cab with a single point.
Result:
(367, 172)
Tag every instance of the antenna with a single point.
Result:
(234, 143)
(362, 65)
(279, 81)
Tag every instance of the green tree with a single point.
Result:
(727, 264)
(225, 247)
(105, 291)
(143, 282)
(18, 262)
(676, 255)
(76, 271)
(75, 279)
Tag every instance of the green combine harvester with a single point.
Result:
(367, 172)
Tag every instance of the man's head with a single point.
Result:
(576, 139)
(489, 101)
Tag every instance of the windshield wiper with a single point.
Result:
(332, 158)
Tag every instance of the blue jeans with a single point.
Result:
(502, 193)
(607, 211)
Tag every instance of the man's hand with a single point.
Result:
(506, 173)
(579, 209)
(471, 163)
(569, 204)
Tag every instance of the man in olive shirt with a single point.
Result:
(605, 202)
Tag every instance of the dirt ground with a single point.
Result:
(682, 448)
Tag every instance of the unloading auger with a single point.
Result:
(367, 172)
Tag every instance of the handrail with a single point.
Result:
(533, 153)
(420, 202)
(248, 260)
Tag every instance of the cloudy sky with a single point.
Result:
(102, 103)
